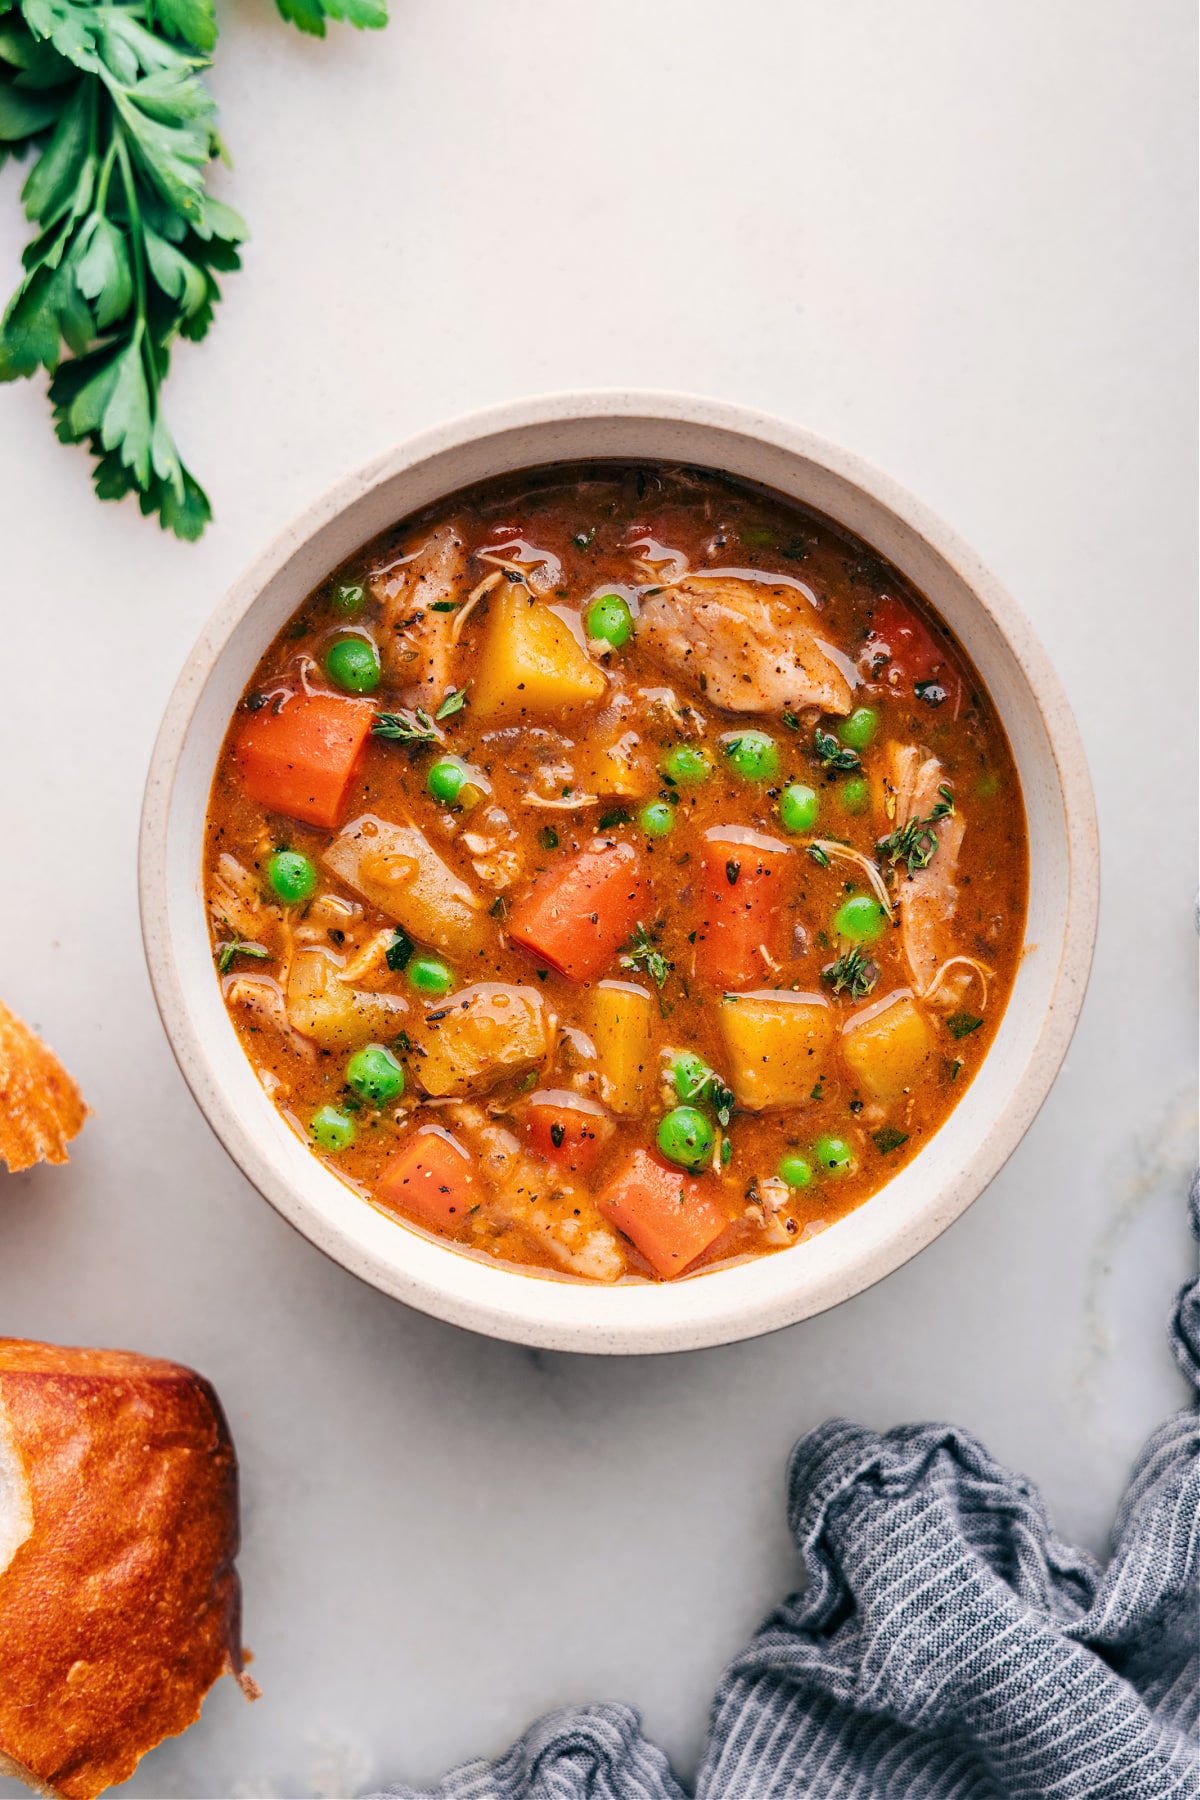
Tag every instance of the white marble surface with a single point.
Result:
(959, 239)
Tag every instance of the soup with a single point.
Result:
(616, 871)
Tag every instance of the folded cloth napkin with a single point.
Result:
(949, 1646)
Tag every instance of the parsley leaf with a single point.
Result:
(887, 1138)
(127, 243)
(398, 951)
(616, 815)
(643, 954)
(962, 1024)
(834, 755)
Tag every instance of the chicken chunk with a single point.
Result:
(570, 1231)
(927, 898)
(748, 647)
(417, 641)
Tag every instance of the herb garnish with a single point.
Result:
(790, 720)
(616, 815)
(818, 855)
(915, 842)
(834, 755)
(236, 947)
(127, 244)
(887, 1138)
(962, 1024)
(853, 972)
(643, 954)
(412, 726)
(398, 951)
(454, 701)
(583, 539)
(932, 692)
(547, 837)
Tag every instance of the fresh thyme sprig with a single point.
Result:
(852, 972)
(645, 955)
(832, 754)
(128, 243)
(915, 842)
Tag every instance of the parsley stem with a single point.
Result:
(138, 244)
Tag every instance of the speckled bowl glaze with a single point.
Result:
(957, 1163)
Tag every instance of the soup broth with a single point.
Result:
(616, 870)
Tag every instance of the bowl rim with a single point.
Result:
(514, 1316)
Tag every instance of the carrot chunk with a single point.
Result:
(669, 1216)
(566, 1128)
(433, 1177)
(743, 886)
(580, 913)
(902, 640)
(303, 759)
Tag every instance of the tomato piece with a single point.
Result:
(744, 881)
(567, 1129)
(901, 638)
(669, 1216)
(580, 913)
(302, 760)
(433, 1177)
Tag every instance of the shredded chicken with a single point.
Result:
(928, 898)
(748, 647)
(415, 640)
(262, 1000)
(579, 1241)
(235, 899)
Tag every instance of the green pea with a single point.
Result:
(690, 1074)
(353, 665)
(657, 819)
(375, 1075)
(855, 795)
(752, 755)
(331, 1130)
(859, 728)
(610, 620)
(446, 780)
(860, 918)
(686, 765)
(685, 1137)
(429, 975)
(833, 1156)
(292, 877)
(795, 1171)
(348, 599)
(798, 807)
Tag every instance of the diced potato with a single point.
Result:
(397, 869)
(887, 1047)
(488, 1032)
(338, 1017)
(531, 664)
(778, 1046)
(621, 770)
(621, 1027)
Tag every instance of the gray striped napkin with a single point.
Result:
(949, 1646)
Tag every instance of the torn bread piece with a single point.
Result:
(119, 1601)
(41, 1109)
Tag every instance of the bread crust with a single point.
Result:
(121, 1606)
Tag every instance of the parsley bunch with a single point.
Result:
(128, 244)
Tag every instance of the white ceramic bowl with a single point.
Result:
(956, 1164)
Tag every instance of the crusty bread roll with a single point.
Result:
(41, 1108)
(119, 1601)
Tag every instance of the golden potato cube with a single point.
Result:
(622, 1024)
(531, 663)
(778, 1046)
(397, 869)
(338, 1017)
(621, 770)
(476, 1037)
(887, 1047)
